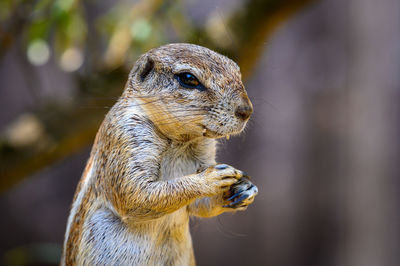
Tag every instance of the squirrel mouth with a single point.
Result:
(213, 134)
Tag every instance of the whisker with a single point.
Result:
(178, 118)
(186, 108)
(176, 113)
(187, 122)
(192, 111)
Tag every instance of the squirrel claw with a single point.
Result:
(243, 194)
(234, 196)
(237, 202)
(221, 166)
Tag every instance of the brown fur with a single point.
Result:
(153, 162)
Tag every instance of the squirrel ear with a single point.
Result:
(146, 67)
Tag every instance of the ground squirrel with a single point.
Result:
(152, 165)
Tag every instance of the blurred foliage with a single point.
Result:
(98, 41)
(121, 33)
(33, 254)
(126, 30)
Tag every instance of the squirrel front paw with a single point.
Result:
(241, 194)
(219, 178)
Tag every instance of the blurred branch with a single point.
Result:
(251, 26)
(69, 129)
(13, 27)
(263, 18)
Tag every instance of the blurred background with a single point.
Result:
(322, 146)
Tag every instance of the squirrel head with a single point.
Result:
(189, 91)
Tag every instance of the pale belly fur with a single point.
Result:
(162, 241)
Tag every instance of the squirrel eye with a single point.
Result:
(188, 80)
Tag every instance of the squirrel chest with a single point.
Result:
(179, 160)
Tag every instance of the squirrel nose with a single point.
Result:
(244, 110)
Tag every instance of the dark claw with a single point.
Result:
(237, 193)
(251, 186)
(236, 202)
(245, 175)
(234, 196)
(242, 190)
(239, 182)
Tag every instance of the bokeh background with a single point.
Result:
(322, 145)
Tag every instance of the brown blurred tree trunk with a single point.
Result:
(373, 135)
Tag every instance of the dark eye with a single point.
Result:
(189, 81)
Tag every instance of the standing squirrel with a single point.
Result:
(152, 165)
